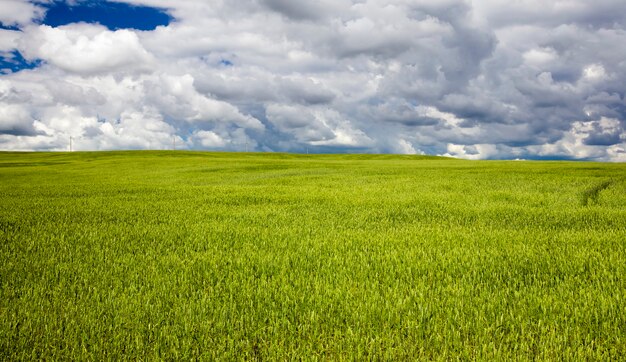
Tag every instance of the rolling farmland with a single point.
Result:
(182, 255)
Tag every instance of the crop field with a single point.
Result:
(180, 255)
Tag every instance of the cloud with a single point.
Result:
(86, 49)
(604, 132)
(15, 120)
(310, 10)
(177, 97)
(68, 93)
(8, 40)
(19, 12)
(208, 139)
(598, 14)
(316, 126)
(467, 78)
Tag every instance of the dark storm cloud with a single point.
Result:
(22, 129)
(603, 139)
(603, 134)
(399, 111)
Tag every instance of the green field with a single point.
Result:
(182, 255)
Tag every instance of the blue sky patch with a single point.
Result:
(13, 61)
(110, 14)
(6, 27)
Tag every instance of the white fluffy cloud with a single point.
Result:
(86, 49)
(473, 79)
(19, 12)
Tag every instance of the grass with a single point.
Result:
(186, 255)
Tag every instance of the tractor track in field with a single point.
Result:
(591, 195)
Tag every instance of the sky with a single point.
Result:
(474, 79)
